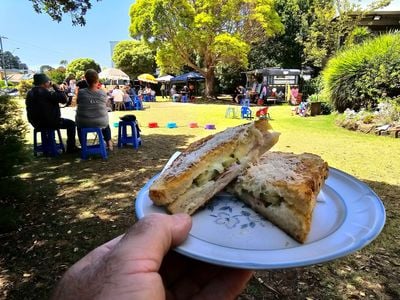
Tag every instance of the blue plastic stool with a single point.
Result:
(246, 113)
(137, 104)
(184, 98)
(99, 148)
(124, 138)
(49, 145)
(129, 105)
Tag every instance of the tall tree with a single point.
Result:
(10, 61)
(203, 34)
(45, 68)
(79, 66)
(284, 50)
(332, 23)
(56, 8)
(134, 58)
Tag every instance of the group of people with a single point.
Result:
(185, 94)
(264, 93)
(43, 109)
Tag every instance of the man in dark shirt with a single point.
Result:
(43, 110)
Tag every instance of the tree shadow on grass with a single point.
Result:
(66, 207)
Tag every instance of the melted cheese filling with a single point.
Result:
(215, 170)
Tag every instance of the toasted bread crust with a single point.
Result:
(283, 186)
(191, 180)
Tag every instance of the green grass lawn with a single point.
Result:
(365, 156)
(64, 207)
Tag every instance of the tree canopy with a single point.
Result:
(11, 61)
(80, 65)
(57, 8)
(134, 58)
(203, 34)
(331, 24)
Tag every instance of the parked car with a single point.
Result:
(9, 91)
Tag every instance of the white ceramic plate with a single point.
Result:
(347, 217)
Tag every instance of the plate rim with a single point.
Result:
(366, 239)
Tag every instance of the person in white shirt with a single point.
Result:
(118, 98)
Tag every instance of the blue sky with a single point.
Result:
(42, 41)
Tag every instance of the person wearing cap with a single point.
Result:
(43, 110)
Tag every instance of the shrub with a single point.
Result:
(326, 108)
(368, 119)
(12, 133)
(360, 75)
(3, 84)
(24, 86)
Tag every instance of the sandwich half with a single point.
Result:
(208, 165)
(283, 188)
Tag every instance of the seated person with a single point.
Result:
(92, 108)
(43, 110)
(147, 94)
(174, 95)
(185, 92)
(153, 95)
(118, 96)
(127, 99)
(241, 91)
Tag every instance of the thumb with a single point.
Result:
(151, 238)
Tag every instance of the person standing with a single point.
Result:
(92, 107)
(162, 90)
(43, 110)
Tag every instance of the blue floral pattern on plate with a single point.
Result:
(232, 213)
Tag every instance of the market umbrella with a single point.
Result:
(191, 76)
(147, 78)
(113, 74)
(166, 78)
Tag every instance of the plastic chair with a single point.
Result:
(129, 105)
(246, 112)
(263, 113)
(230, 113)
(49, 145)
(99, 148)
(137, 104)
(124, 138)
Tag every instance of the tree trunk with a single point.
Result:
(209, 84)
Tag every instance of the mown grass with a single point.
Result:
(66, 206)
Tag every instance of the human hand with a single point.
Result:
(139, 265)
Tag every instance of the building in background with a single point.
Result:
(112, 45)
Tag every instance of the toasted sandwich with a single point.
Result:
(283, 187)
(209, 165)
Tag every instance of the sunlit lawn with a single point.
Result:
(362, 155)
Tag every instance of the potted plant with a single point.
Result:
(315, 104)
